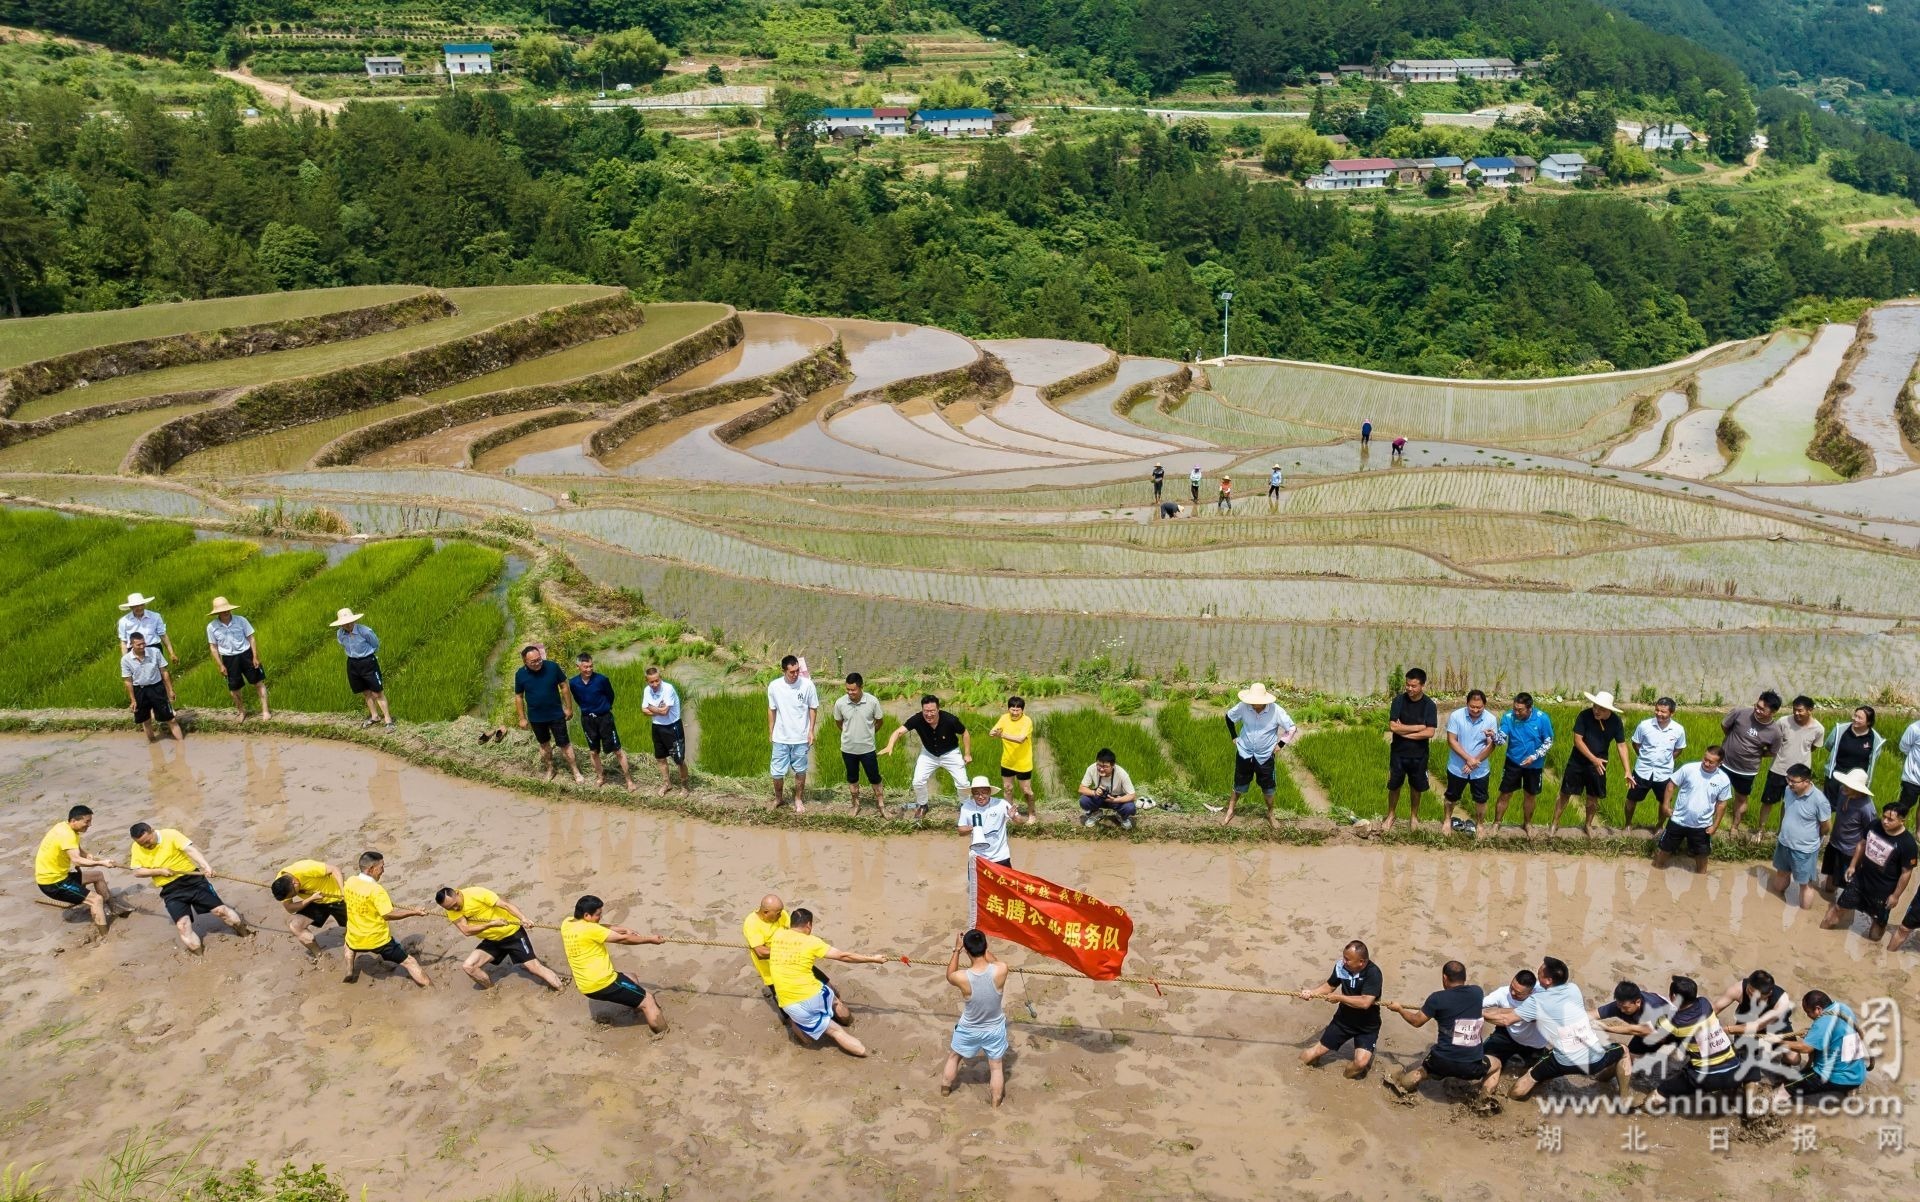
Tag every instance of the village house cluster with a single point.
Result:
(1498, 171)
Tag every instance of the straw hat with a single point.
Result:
(1603, 699)
(346, 618)
(1855, 779)
(135, 599)
(980, 782)
(220, 606)
(1256, 694)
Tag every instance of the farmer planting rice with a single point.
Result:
(149, 687)
(362, 646)
(543, 703)
(369, 910)
(585, 939)
(501, 929)
(137, 617)
(313, 893)
(233, 645)
(177, 868)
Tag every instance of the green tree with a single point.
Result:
(543, 58)
(715, 76)
(1295, 151)
(628, 56)
(290, 254)
(26, 243)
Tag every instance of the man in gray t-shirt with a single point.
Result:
(858, 716)
(1800, 733)
(1747, 736)
(1803, 823)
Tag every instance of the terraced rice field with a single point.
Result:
(1693, 446)
(770, 342)
(23, 340)
(422, 482)
(284, 450)
(479, 309)
(555, 450)
(1719, 386)
(445, 448)
(109, 492)
(1095, 405)
(1778, 417)
(97, 446)
(1869, 410)
(1645, 445)
(666, 323)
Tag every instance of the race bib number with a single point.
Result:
(1851, 1048)
(1714, 1040)
(1878, 850)
(1466, 1032)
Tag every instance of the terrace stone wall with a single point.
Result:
(1077, 381)
(824, 367)
(597, 390)
(286, 403)
(506, 434)
(45, 376)
(1833, 444)
(12, 431)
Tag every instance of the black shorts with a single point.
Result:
(1458, 785)
(670, 742)
(241, 671)
(391, 951)
(1409, 771)
(1550, 1067)
(1874, 906)
(1515, 778)
(363, 674)
(1337, 1036)
(551, 732)
(625, 991)
(1774, 791)
(1273, 490)
(856, 762)
(1579, 776)
(1695, 838)
(1441, 1068)
(186, 896)
(150, 703)
(1833, 863)
(318, 912)
(1686, 1082)
(71, 892)
(1246, 771)
(1742, 781)
(1502, 1046)
(515, 947)
(1639, 786)
(1812, 1085)
(1006, 773)
(1909, 793)
(600, 732)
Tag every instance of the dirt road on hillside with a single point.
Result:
(279, 95)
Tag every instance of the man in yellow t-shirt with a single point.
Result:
(501, 929)
(586, 940)
(171, 861)
(312, 892)
(369, 910)
(71, 876)
(1015, 732)
(757, 929)
(808, 1001)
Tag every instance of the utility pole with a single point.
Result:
(1226, 320)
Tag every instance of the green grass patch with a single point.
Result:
(733, 742)
(1076, 736)
(1204, 753)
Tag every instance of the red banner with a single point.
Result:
(1080, 931)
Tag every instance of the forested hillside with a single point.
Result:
(1875, 44)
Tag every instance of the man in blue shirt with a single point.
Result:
(363, 664)
(660, 702)
(1527, 734)
(1471, 734)
(1834, 1051)
(541, 699)
(593, 696)
(1256, 725)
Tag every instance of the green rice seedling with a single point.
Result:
(1203, 751)
(96, 447)
(295, 626)
(733, 742)
(110, 564)
(733, 734)
(40, 541)
(1076, 736)
(194, 575)
(443, 678)
(665, 323)
(1351, 765)
(405, 616)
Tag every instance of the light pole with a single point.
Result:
(1226, 320)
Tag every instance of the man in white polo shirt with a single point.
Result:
(137, 618)
(1257, 726)
(1700, 795)
(793, 715)
(231, 639)
(1655, 742)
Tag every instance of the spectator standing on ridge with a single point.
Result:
(1471, 735)
(1015, 732)
(1597, 730)
(1412, 721)
(1800, 733)
(149, 688)
(1853, 813)
(1804, 822)
(1748, 735)
(1700, 791)
(1655, 742)
(1159, 480)
(592, 694)
(362, 646)
(1527, 734)
(793, 718)
(544, 705)
(231, 641)
(136, 617)
(858, 717)
(660, 702)
(1854, 744)
(1257, 726)
(945, 744)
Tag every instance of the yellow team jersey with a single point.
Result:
(794, 955)
(757, 931)
(482, 906)
(1016, 757)
(587, 954)
(53, 863)
(367, 908)
(311, 878)
(169, 853)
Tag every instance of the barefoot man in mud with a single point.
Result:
(585, 939)
(1560, 1013)
(369, 910)
(815, 1010)
(1459, 1047)
(501, 929)
(175, 866)
(757, 929)
(312, 892)
(1353, 987)
(69, 875)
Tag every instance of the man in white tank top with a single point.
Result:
(982, 1029)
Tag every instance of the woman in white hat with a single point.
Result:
(1257, 726)
(363, 664)
(230, 638)
(136, 617)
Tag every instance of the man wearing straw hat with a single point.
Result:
(1852, 799)
(363, 664)
(231, 640)
(985, 818)
(1257, 726)
(1596, 731)
(136, 618)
